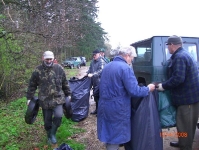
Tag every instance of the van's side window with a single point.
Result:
(187, 46)
(144, 55)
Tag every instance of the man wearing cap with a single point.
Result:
(53, 87)
(183, 83)
(94, 72)
(102, 53)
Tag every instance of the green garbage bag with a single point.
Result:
(167, 111)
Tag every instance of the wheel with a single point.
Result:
(72, 66)
(67, 108)
(78, 66)
(32, 111)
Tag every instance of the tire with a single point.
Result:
(67, 108)
(72, 66)
(78, 66)
(32, 111)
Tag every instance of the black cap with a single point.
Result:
(96, 51)
(174, 39)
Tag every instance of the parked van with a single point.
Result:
(150, 65)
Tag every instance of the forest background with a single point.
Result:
(28, 28)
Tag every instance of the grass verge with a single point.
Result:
(15, 134)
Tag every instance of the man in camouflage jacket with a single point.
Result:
(53, 87)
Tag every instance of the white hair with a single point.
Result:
(129, 50)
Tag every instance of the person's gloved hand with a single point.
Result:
(159, 87)
(151, 87)
(90, 75)
(28, 102)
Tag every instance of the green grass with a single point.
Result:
(15, 134)
(71, 73)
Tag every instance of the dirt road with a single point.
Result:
(89, 138)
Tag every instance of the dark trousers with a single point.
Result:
(52, 116)
(186, 121)
(112, 146)
(96, 99)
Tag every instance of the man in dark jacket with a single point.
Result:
(53, 87)
(183, 84)
(94, 72)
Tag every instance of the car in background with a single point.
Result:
(78, 59)
(83, 61)
(72, 62)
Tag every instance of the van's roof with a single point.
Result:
(148, 39)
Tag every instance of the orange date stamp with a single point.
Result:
(173, 134)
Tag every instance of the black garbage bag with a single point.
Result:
(32, 111)
(167, 111)
(80, 97)
(64, 146)
(146, 129)
(67, 109)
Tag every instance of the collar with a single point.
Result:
(179, 49)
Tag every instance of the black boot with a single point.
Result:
(95, 112)
(49, 136)
(174, 144)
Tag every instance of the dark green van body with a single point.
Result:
(150, 65)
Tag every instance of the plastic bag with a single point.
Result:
(64, 146)
(80, 97)
(145, 124)
(167, 111)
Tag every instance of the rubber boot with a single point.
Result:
(53, 134)
(49, 136)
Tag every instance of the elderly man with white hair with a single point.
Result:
(117, 86)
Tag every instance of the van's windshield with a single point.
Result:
(144, 53)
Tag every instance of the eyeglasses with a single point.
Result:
(48, 59)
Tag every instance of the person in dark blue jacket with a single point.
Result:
(117, 85)
(94, 72)
(183, 84)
